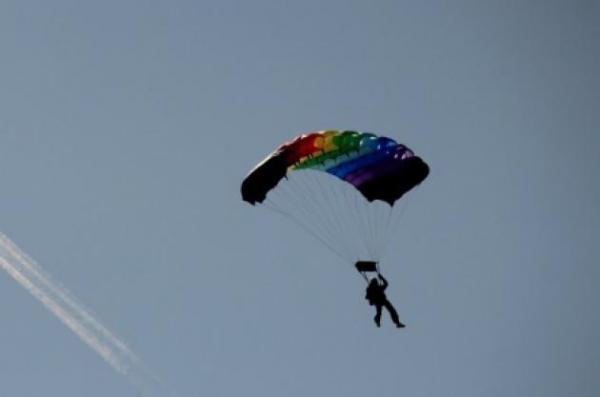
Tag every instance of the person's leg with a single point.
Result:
(378, 315)
(393, 313)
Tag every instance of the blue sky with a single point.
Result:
(126, 129)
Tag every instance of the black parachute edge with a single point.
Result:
(391, 186)
(264, 177)
(388, 188)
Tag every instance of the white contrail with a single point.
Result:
(64, 306)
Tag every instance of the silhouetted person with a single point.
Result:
(376, 296)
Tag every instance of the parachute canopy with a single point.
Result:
(378, 167)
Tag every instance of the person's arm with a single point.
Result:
(384, 281)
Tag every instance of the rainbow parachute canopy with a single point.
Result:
(377, 166)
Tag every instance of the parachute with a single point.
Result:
(343, 187)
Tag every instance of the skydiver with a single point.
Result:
(376, 297)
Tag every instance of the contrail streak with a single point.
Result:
(64, 306)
